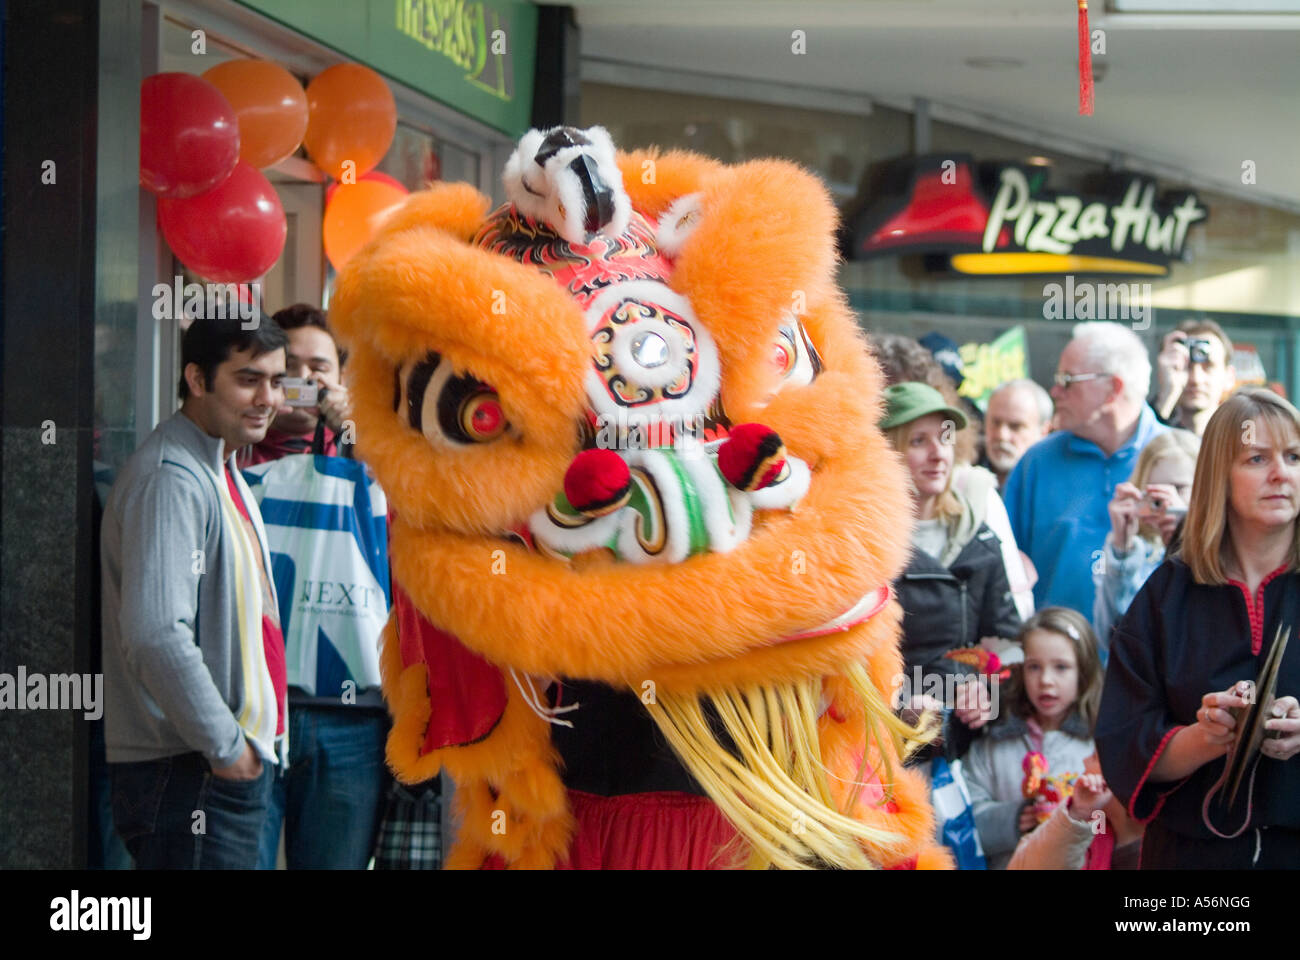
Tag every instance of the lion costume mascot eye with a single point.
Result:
(644, 523)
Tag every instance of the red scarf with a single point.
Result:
(278, 444)
(272, 637)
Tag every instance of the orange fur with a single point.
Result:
(533, 354)
(654, 179)
(763, 250)
(457, 208)
(517, 761)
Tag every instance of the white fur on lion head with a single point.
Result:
(551, 192)
(679, 222)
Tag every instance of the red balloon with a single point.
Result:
(231, 234)
(189, 136)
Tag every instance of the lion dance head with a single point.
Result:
(626, 423)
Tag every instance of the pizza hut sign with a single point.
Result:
(1060, 224)
(1000, 219)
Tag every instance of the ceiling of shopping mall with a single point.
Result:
(1197, 91)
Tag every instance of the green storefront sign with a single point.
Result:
(476, 57)
(989, 364)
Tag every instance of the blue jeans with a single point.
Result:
(331, 797)
(104, 848)
(157, 806)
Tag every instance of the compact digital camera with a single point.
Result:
(1158, 505)
(299, 392)
(1199, 350)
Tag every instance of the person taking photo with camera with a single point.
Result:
(1145, 513)
(1194, 370)
(328, 802)
(316, 401)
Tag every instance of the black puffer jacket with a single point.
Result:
(945, 608)
(949, 607)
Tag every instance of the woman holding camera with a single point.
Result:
(1184, 657)
(1144, 514)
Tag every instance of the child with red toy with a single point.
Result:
(1038, 795)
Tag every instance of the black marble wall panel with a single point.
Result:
(48, 580)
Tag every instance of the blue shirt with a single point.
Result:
(1056, 498)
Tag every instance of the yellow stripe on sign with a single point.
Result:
(990, 264)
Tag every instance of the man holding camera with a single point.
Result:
(1057, 494)
(1195, 373)
(328, 802)
(316, 402)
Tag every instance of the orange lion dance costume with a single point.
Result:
(644, 524)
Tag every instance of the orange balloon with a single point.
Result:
(352, 117)
(270, 104)
(353, 215)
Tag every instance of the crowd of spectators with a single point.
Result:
(1118, 566)
(1162, 576)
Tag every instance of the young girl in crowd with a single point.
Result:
(1144, 513)
(1020, 773)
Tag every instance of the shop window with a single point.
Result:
(1240, 272)
(838, 146)
(413, 159)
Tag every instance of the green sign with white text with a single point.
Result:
(475, 56)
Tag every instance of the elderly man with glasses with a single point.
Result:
(1058, 492)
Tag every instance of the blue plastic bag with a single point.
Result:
(954, 815)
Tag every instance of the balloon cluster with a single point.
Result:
(204, 140)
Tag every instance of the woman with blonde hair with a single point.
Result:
(904, 360)
(1144, 514)
(954, 591)
(1185, 656)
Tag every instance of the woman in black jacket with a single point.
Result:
(1186, 655)
(954, 591)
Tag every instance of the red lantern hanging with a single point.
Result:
(1085, 61)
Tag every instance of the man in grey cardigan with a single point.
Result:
(193, 656)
